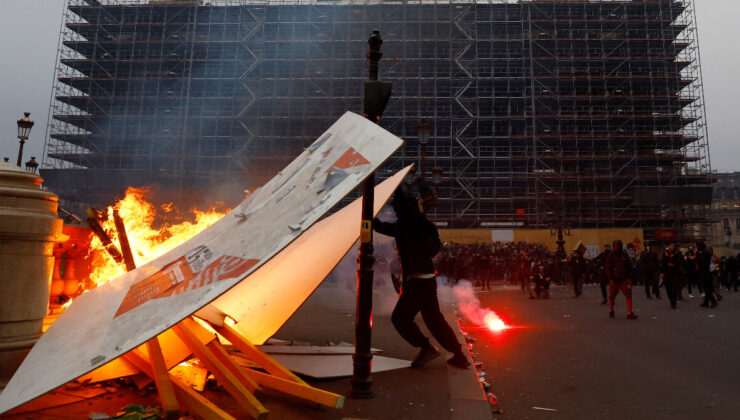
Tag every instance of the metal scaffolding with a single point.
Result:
(539, 110)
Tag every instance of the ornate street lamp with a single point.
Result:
(32, 165)
(560, 228)
(24, 129)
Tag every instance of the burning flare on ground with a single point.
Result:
(470, 306)
(147, 242)
(493, 322)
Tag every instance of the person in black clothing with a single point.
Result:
(600, 262)
(690, 270)
(648, 269)
(619, 272)
(724, 275)
(703, 260)
(733, 265)
(578, 269)
(417, 241)
(670, 268)
(541, 284)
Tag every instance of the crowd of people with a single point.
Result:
(693, 267)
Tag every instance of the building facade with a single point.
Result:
(538, 111)
(725, 211)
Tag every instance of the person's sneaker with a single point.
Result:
(603, 302)
(425, 356)
(714, 305)
(611, 314)
(631, 315)
(704, 305)
(691, 296)
(459, 360)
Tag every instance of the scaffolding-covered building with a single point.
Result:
(538, 111)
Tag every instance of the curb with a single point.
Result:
(467, 399)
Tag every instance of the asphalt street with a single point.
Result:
(565, 358)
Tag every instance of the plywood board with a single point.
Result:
(333, 366)
(118, 316)
(299, 269)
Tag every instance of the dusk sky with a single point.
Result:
(30, 32)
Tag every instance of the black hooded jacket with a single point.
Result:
(416, 237)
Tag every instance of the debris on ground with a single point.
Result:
(137, 412)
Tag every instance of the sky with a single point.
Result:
(30, 33)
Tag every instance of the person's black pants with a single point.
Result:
(651, 284)
(708, 285)
(578, 285)
(672, 287)
(420, 295)
(603, 282)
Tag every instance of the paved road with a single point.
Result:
(566, 354)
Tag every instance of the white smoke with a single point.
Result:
(469, 305)
(339, 290)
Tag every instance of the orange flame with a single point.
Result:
(147, 242)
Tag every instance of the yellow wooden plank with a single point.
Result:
(220, 352)
(300, 390)
(185, 330)
(257, 355)
(162, 378)
(199, 404)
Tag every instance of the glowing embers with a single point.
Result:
(494, 322)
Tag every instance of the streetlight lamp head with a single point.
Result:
(375, 41)
(24, 126)
(32, 165)
(424, 129)
(411, 177)
(437, 175)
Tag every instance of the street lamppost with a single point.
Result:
(24, 129)
(375, 99)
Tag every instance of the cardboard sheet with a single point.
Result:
(333, 366)
(118, 316)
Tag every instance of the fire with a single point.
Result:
(147, 242)
(494, 322)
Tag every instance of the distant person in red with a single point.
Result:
(417, 241)
(619, 273)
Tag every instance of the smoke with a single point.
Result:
(470, 307)
(339, 290)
